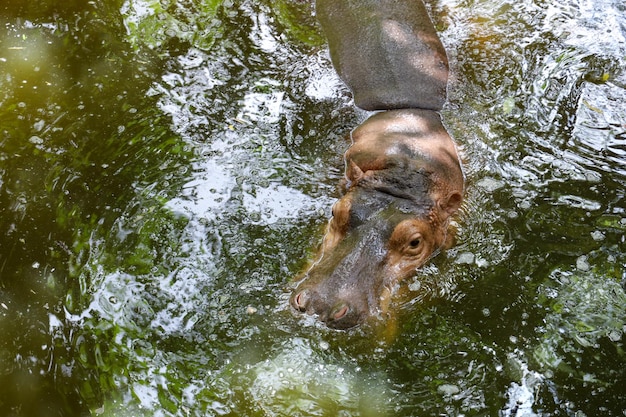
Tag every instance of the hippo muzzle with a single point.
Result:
(404, 182)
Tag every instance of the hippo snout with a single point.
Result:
(342, 288)
(341, 314)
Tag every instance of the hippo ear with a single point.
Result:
(353, 172)
(451, 203)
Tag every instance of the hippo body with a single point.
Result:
(404, 180)
(387, 52)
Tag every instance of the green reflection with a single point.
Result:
(150, 218)
(155, 23)
(299, 21)
(80, 144)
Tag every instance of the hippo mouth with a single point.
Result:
(341, 316)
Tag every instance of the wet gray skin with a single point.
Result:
(387, 52)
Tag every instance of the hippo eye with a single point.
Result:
(413, 246)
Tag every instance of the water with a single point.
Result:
(166, 169)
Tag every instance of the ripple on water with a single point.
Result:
(195, 332)
(301, 381)
(599, 138)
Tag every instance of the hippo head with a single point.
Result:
(404, 183)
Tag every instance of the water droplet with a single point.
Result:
(465, 258)
(448, 389)
(615, 335)
(582, 264)
(39, 125)
(597, 235)
(490, 184)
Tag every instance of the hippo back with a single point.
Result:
(387, 52)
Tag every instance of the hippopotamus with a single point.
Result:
(403, 177)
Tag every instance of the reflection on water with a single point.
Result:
(166, 169)
(302, 381)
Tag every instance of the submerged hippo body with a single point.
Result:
(404, 179)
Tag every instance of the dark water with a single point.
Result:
(167, 167)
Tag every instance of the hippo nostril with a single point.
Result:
(340, 312)
(300, 300)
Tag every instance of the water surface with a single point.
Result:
(166, 169)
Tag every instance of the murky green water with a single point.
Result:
(166, 168)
